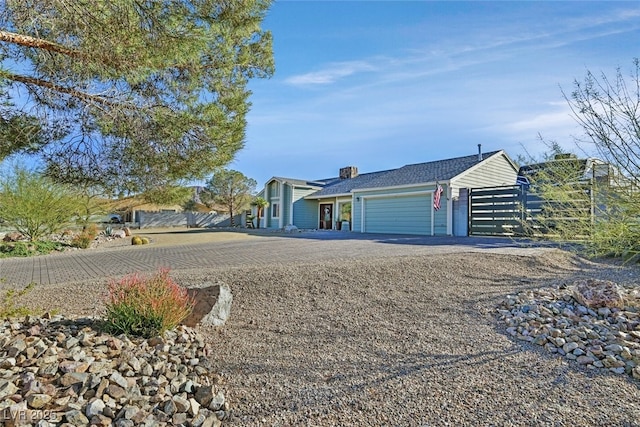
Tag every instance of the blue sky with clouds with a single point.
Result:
(381, 84)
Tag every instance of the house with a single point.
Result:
(567, 167)
(396, 201)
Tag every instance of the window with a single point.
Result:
(275, 210)
(275, 189)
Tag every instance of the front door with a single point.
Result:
(326, 216)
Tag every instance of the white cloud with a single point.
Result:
(554, 120)
(331, 73)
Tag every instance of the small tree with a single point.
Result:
(260, 203)
(35, 205)
(608, 110)
(560, 197)
(231, 189)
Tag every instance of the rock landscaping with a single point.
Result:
(594, 323)
(61, 372)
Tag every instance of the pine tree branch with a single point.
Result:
(86, 97)
(28, 41)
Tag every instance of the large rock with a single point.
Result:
(212, 305)
(594, 293)
(13, 236)
(119, 234)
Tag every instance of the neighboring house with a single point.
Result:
(399, 201)
(568, 168)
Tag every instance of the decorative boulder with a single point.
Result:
(13, 236)
(119, 234)
(594, 293)
(212, 305)
(127, 231)
(290, 228)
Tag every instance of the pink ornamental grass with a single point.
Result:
(146, 306)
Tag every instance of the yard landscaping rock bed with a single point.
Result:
(385, 336)
(601, 332)
(62, 372)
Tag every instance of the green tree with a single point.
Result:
(260, 203)
(89, 204)
(608, 110)
(130, 95)
(231, 189)
(35, 205)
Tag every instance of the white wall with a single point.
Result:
(175, 219)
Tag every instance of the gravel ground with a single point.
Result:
(395, 341)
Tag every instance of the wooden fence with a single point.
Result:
(517, 211)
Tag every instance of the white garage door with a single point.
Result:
(398, 214)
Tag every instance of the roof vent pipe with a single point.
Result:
(479, 152)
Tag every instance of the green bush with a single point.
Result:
(25, 249)
(146, 306)
(34, 205)
(16, 249)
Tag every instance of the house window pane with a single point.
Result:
(275, 210)
(275, 189)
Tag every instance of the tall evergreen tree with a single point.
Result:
(129, 94)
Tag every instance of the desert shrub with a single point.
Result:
(82, 241)
(108, 231)
(25, 249)
(16, 249)
(34, 205)
(136, 240)
(91, 230)
(146, 306)
(145, 241)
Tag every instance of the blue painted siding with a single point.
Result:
(440, 218)
(356, 214)
(285, 208)
(305, 212)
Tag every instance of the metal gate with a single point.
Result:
(496, 211)
(515, 210)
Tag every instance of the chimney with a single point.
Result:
(348, 172)
(479, 152)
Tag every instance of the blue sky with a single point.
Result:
(381, 84)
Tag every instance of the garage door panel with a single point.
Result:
(401, 215)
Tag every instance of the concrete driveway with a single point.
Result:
(180, 249)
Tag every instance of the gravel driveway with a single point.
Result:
(404, 339)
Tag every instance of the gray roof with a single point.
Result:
(420, 173)
(300, 182)
(439, 170)
(344, 186)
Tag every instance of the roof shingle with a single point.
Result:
(419, 173)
